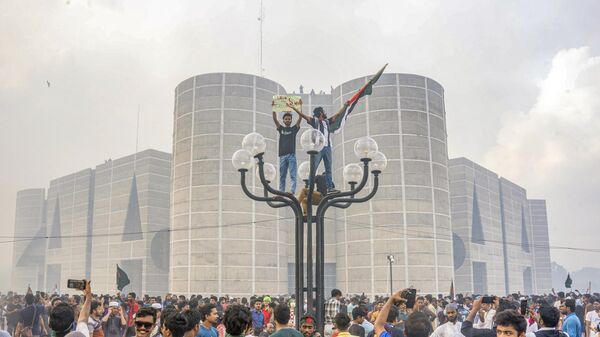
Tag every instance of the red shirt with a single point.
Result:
(133, 309)
(267, 315)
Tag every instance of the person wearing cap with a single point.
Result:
(452, 327)
(114, 321)
(321, 122)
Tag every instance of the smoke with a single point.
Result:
(553, 150)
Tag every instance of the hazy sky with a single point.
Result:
(522, 83)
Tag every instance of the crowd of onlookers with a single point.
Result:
(88, 315)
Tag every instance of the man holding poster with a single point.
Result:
(287, 145)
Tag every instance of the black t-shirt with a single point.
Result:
(13, 318)
(287, 139)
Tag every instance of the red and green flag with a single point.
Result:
(367, 89)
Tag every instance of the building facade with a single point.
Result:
(131, 222)
(28, 255)
(495, 231)
(409, 217)
(477, 228)
(94, 219)
(69, 213)
(540, 245)
(222, 241)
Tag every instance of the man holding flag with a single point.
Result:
(334, 125)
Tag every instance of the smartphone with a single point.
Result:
(487, 299)
(76, 284)
(411, 297)
(523, 307)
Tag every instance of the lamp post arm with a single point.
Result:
(280, 203)
(355, 200)
(257, 198)
(268, 187)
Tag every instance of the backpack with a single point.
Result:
(28, 330)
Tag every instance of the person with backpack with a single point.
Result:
(31, 322)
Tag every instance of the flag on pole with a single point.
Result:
(367, 89)
(452, 289)
(568, 281)
(122, 278)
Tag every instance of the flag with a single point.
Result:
(452, 289)
(122, 279)
(568, 281)
(367, 89)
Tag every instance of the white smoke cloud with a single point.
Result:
(553, 150)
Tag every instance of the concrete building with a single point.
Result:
(222, 241)
(495, 232)
(409, 217)
(131, 222)
(69, 212)
(28, 255)
(540, 246)
(516, 227)
(477, 228)
(95, 219)
(252, 253)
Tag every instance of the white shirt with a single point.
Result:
(83, 328)
(593, 319)
(533, 328)
(448, 330)
(489, 320)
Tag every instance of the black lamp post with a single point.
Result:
(312, 141)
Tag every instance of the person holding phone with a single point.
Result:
(417, 324)
(487, 313)
(114, 321)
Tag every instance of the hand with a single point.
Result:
(87, 292)
(397, 296)
(476, 305)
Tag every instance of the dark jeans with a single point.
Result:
(325, 155)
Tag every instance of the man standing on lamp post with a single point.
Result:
(287, 148)
(320, 122)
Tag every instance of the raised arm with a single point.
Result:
(341, 111)
(277, 124)
(379, 325)
(302, 115)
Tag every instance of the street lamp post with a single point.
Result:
(391, 259)
(312, 141)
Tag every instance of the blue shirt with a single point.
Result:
(204, 332)
(258, 319)
(572, 325)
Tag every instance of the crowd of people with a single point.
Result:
(89, 315)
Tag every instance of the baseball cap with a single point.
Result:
(157, 306)
(113, 304)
